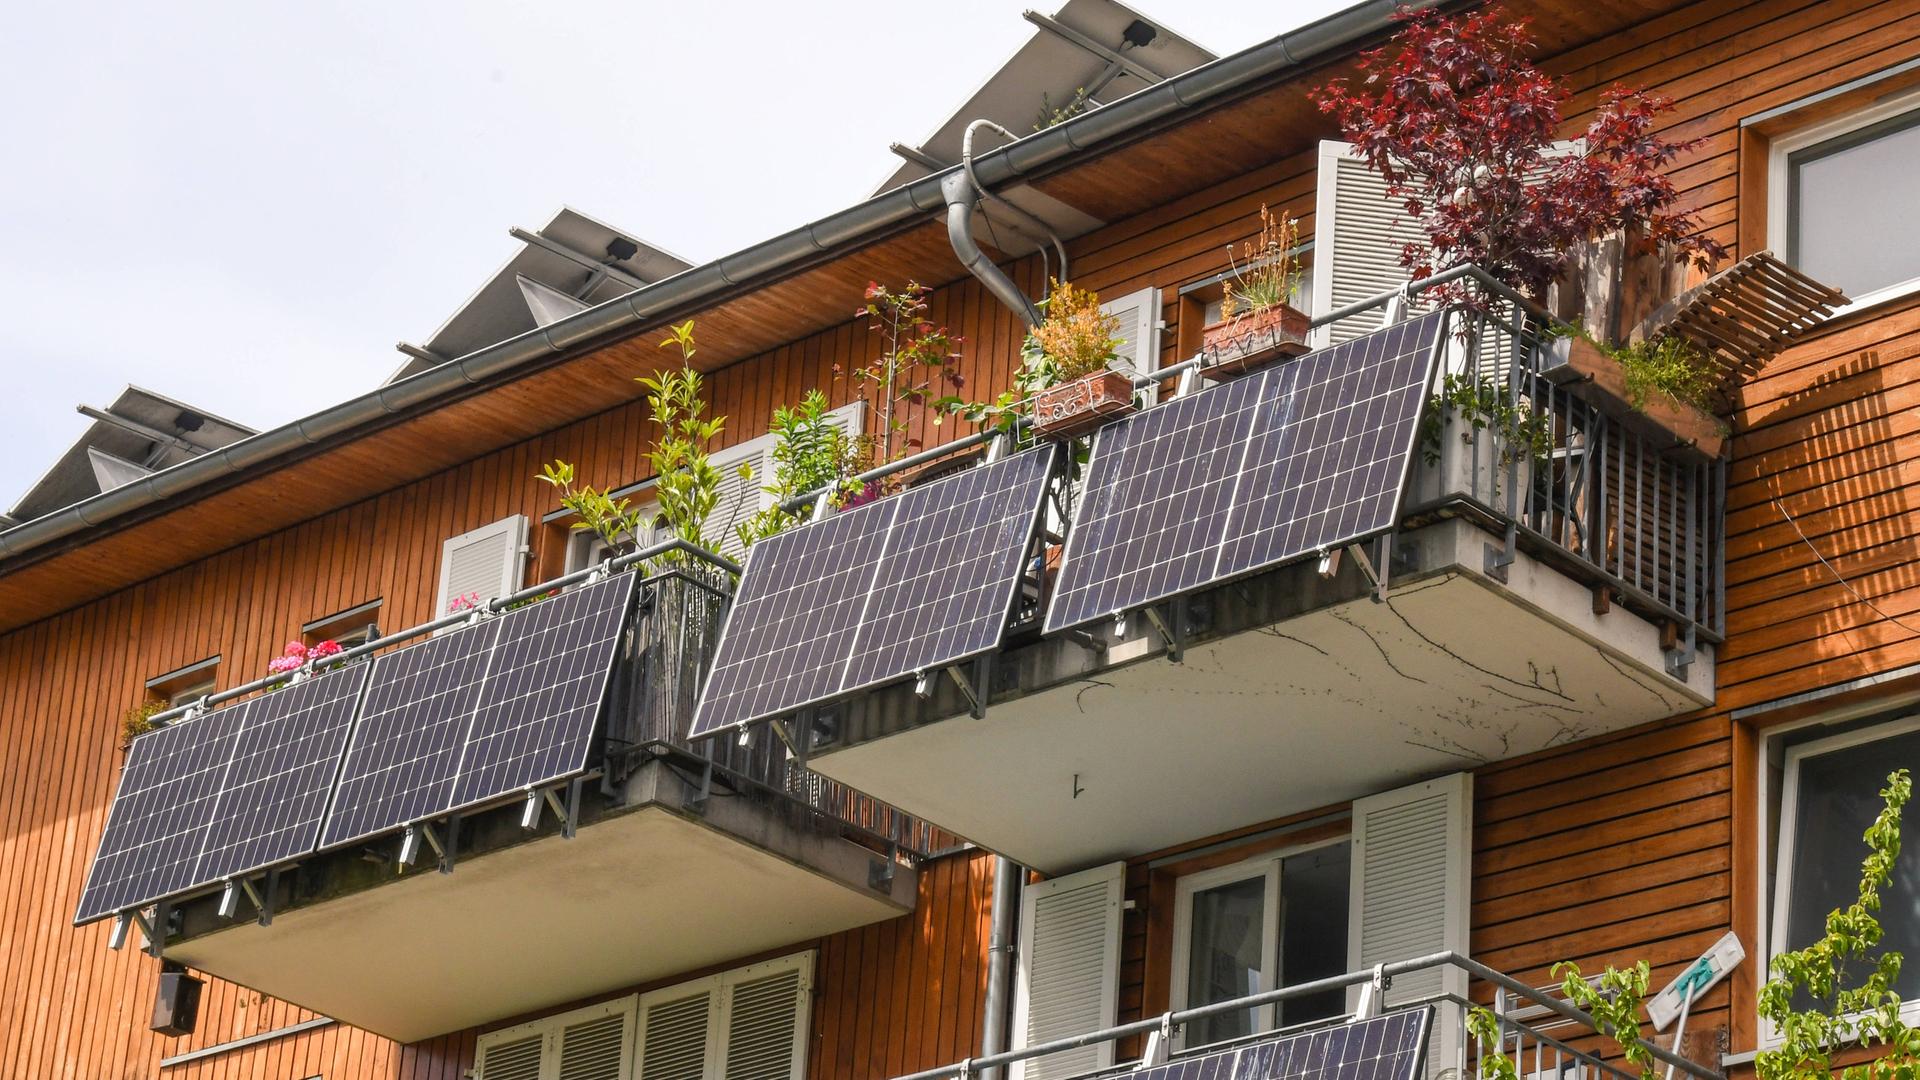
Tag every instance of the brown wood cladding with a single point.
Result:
(1604, 852)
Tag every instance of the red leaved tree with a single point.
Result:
(1461, 125)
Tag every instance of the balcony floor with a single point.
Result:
(1347, 697)
(638, 896)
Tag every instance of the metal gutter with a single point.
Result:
(919, 200)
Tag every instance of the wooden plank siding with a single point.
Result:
(1608, 851)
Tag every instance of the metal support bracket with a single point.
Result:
(1373, 995)
(698, 804)
(439, 849)
(974, 689)
(157, 930)
(1499, 559)
(880, 872)
(1159, 1046)
(530, 810)
(570, 821)
(264, 901)
(1367, 569)
(559, 809)
(254, 898)
(1189, 382)
(229, 899)
(1173, 627)
(122, 925)
(1679, 659)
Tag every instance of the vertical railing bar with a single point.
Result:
(1718, 521)
(1639, 506)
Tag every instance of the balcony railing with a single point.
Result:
(1537, 1029)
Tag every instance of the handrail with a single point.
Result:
(1316, 986)
(490, 607)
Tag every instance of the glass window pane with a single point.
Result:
(1313, 929)
(1852, 221)
(1224, 956)
(1837, 798)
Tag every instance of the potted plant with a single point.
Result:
(1664, 386)
(1473, 436)
(138, 720)
(1257, 326)
(1067, 357)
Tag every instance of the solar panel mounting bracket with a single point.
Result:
(1374, 570)
(122, 926)
(1159, 1046)
(880, 870)
(264, 903)
(1172, 626)
(975, 689)
(698, 804)
(1372, 995)
(157, 930)
(1499, 559)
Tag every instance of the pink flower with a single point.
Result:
(295, 649)
(323, 649)
(280, 665)
(463, 603)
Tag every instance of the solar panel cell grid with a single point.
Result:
(912, 583)
(1254, 472)
(1388, 1047)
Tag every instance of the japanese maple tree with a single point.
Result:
(1461, 125)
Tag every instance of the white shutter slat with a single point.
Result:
(596, 1049)
(513, 1059)
(765, 1027)
(1139, 331)
(486, 561)
(1412, 860)
(674, 1036)
(1069, 966)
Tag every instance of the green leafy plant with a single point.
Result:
(1484, 405)
(915, 355)
(1051, 114)
(615, 521)
(686, 482)
(1670, 367)
(810, 452)
(1842, 1013)
(138, 720)
(1267, 272)
(1074, 339)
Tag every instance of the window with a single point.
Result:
(586, 548)
(1273, 921)
(356, 625)
(183, 686)
(1829, 785)
(746, 1024)
(1840, 201)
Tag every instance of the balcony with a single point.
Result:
(1554, 575)
(664, 858)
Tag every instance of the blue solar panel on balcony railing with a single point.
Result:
(222, 795)
(912, 583)
(1305, 456)
(1388, 1047)
(481, 712)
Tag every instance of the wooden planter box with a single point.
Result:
(1078, 407)
(1237, 346)
(1579, 365)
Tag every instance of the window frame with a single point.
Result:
(1267, 864)
(720, 1009)
(188, 684)
(549, 1028)
(1780, 839)
(353, 626)
(1783, 185)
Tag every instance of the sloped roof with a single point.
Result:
(108, 454)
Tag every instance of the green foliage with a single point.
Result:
(1074, 339)
(915, 354)
(1615, 1003)
(1846, 1011)
(1050, 114)
(616, 521)
(1484, 404)
(1267, 272)
(1672, 368)
(809, 452)
(686, 482)
(138, 720)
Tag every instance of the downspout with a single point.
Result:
(1000, 946)
(960, 194)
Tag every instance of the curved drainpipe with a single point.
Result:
(958, 189)
(1000, 946)
(1144, 110)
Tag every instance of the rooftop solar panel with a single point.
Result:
(283, 768)
(158, 820)
(912, 583)
(1303, 456)
(1388, 1047)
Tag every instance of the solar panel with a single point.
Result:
(1302, 456)
(283, 768)
(911, 583)
(534, 722)
(158, 819)
(481, 712)
(1388, 1047)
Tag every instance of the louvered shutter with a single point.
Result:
(514, 1058)
(1359, 234)
(1069, 968)
(486, 561)
(1412, 860)
(741, 498)
(1139, 316)
(766, 1023)
(677, 1032)
(597, 1047)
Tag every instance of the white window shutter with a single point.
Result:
(741, 497)
(677, 1031)
(596, 1047)
(1358, 234)
(1412, 865)
(512, 1058)
(765, 1015)
(486, 561)
(1139, 316)
(1069, 968)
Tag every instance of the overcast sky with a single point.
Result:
(244, 206)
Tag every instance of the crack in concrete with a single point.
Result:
(1082, 692)
(1535, 685)
(1634, 678)
(1381, 649)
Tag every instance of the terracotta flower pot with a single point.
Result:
(1580, 366)
(1239, 345)
(1077, 407)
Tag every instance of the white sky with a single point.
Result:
(244, 206)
